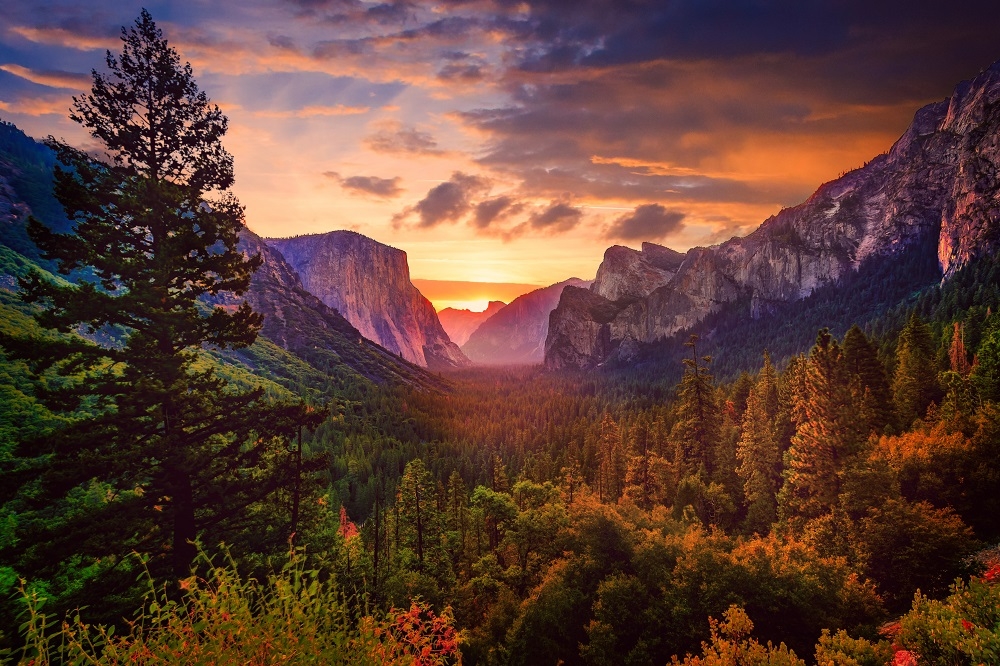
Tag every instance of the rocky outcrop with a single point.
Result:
(299, 322)
(516, 334)
(369, 284)
(938, 183)
(627, 273)
(460, 324)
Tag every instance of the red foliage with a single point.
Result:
(347, 529)
(904, 658)
(992, 574)
(968, 626)
(418, 632)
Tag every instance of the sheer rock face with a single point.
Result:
(939, 182)
(460, 324)
(369, 284)
(628, 273)
(516, 334)
(299, 322)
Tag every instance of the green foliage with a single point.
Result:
(986, 375)
(697, 428)
(295, 616)
(964, 628)
(157, 446)
(915, 384)
(759, 459)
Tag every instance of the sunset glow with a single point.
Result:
(492, 142)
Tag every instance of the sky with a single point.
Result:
(510, 143)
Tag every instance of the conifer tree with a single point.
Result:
(611, 461)
(696, 431)
(155, 229)
(827, 433)
(419, 518)
(457, 518)
(958, 356)
(863, 362)
(767, 388)
(986, 374)
(644, 475)
(915, 385)
(758, 460)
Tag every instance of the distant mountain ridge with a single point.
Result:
(369, 284)
(460, 324)
(516, 334)
(936, 187)
(318, 340)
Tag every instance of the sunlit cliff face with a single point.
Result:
(504, 142)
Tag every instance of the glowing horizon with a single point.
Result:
(500, 143)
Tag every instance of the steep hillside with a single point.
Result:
(936, 188)
(516, 334)
(369, 283)
(297, 321)
(460, 324)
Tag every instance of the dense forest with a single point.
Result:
(175, 488)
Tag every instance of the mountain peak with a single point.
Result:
(369, 283)
(937, 185)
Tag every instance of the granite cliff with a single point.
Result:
(937, 183)
(369, 284)
(460, 324)
(516, 334)
(297, 321)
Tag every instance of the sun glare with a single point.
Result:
(474, 306)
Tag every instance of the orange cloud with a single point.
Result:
(36, 106)
(313, 111)
(49, 78)
(63, 37)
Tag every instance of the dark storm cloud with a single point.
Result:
(647, 222)
(692, 81)
(448, 202)
(385, 188)
(397, 138)
(561, 34)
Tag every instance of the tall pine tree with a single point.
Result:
(915, 385)
(827, 433)
(861, 357)
(696, 431)
(758, 460)
(174, 448)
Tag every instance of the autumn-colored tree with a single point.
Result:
(759, 459)
(958, 356)
(732, 645)
(827, 433)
